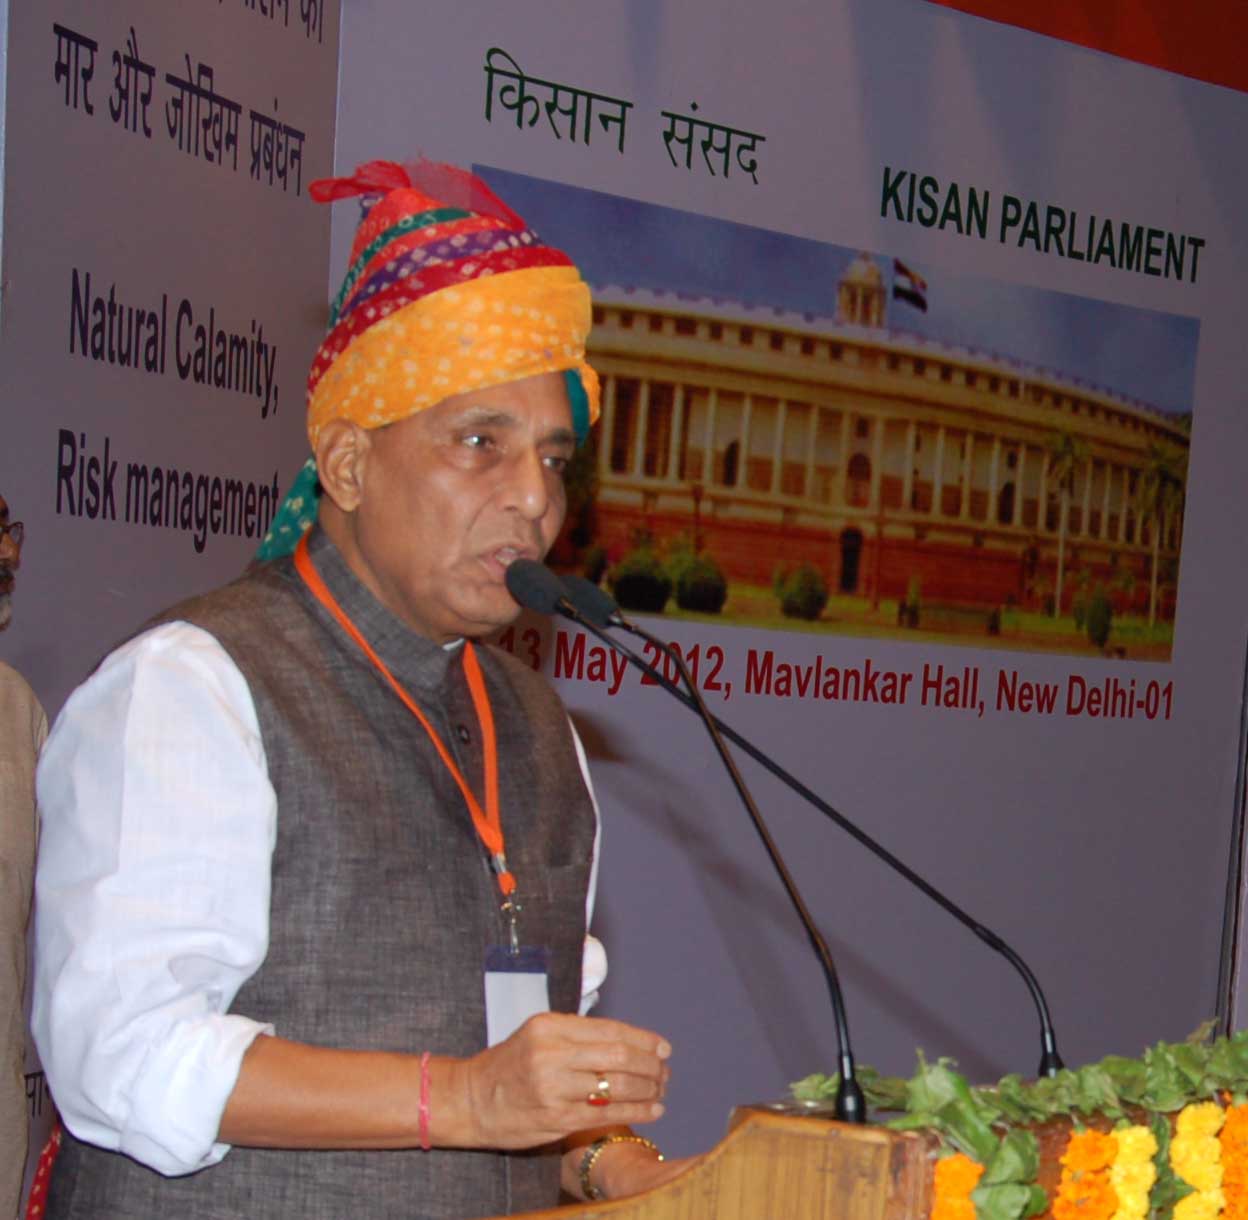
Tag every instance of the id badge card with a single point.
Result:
(515, 989)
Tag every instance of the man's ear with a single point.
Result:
(341, 453)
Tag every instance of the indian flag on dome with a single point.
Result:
(909, 286)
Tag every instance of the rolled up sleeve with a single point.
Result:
(152, 897)
(594, 954)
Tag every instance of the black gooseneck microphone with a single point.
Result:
(536, 587)
(595, 607)
(593, 601)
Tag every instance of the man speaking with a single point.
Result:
(314, 863)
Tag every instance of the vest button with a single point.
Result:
(464, 735)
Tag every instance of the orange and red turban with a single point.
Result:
(447, 291)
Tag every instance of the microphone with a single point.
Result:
(537, 590)
(593, 601)
(594, 605)
(535, 587)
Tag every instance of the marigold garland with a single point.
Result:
(1234, 1140)
(1111, 1176)
(956, 1176)
(1133, 1172)
(1090, 1151)
(1185, 1159)
(1199, 1205)
(1085, 1191)
(1196, 1156)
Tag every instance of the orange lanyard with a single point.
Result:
(487, 821)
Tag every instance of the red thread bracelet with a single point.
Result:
(425, 1142)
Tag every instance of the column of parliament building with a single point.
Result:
(880, 457)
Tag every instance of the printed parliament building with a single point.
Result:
(882, 458)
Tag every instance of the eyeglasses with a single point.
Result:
(16, 530)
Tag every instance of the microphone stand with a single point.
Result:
(600, 605)
(851, 1105)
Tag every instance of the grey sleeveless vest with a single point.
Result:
(382, 904)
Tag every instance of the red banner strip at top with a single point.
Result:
(1203, 39)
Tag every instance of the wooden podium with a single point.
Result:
(773, 1165)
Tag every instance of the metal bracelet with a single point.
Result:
(594, 1151)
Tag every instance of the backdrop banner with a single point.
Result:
(164, 285)
(925, 334)
(921, 341)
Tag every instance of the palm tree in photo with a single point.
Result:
(1067, 453)
(1159, 495)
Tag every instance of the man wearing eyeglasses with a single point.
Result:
(11, 533)
(22, 730)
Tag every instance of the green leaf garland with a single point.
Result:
(989, 1123)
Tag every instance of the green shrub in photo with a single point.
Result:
(1098, 618)
(803, 592)
(700, 584)
(639, 581)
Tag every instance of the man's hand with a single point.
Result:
(628, 1169)
(532, 1088)
(525, 1092)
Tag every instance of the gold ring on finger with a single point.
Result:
(601, 1095)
